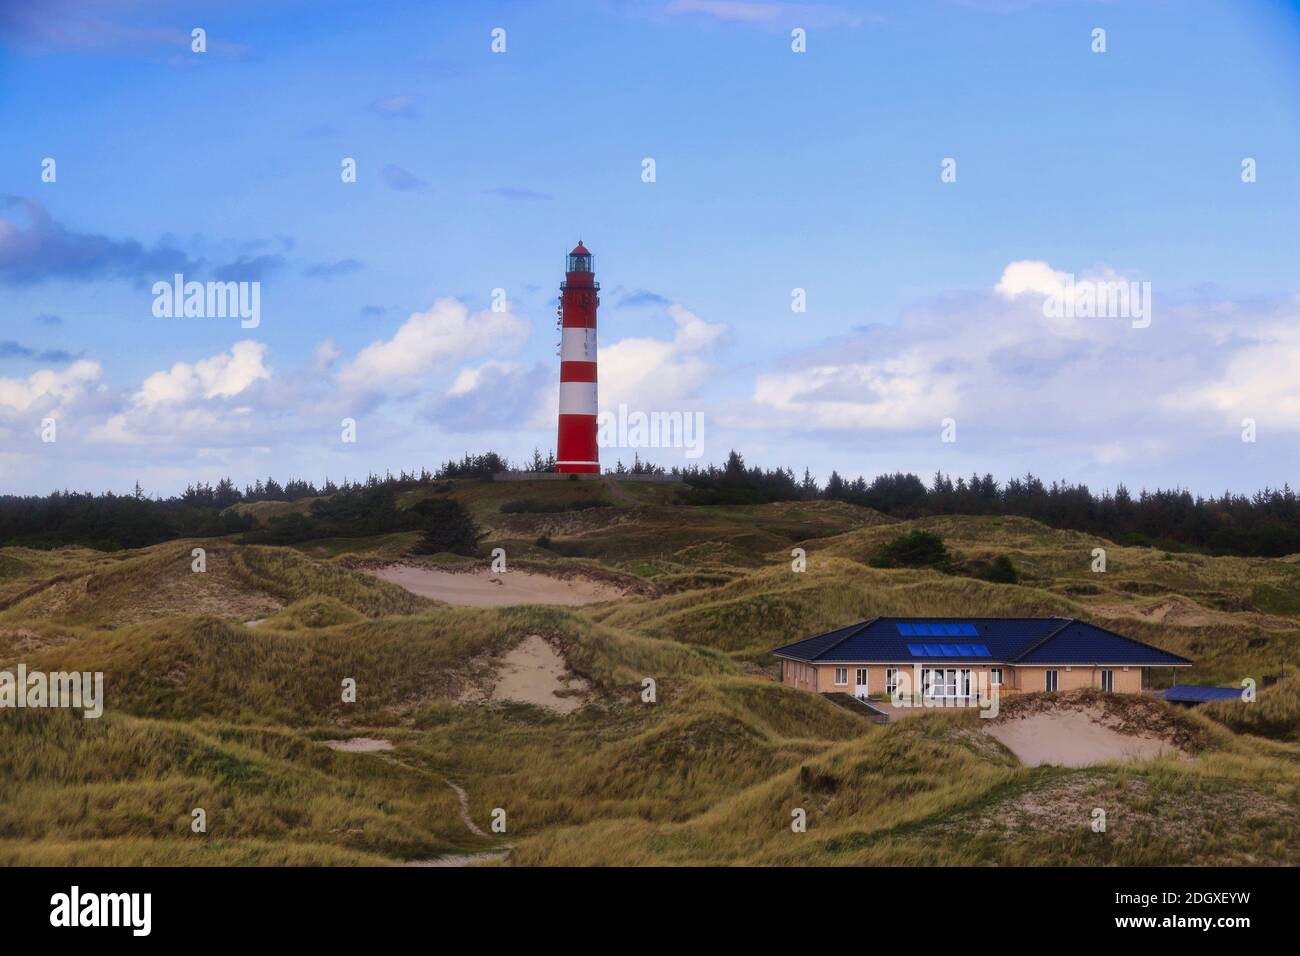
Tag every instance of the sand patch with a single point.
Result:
(1073, 738)
(1170, 610)
(360, 745)
(534, 673)
(483, 588)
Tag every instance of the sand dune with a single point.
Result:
(483, 588)
(1072, 738)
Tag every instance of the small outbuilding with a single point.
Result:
(1192, 695)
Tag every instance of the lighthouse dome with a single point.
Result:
(580, 259)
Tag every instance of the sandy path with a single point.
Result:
(378, 746)
(360, 745)
(1072, 738)
(463, 798)
(487, 589)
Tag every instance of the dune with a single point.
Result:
(484, 588)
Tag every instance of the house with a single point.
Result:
(955, 659)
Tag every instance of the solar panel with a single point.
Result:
(948, 650)
(929, 629)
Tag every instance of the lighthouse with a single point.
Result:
(576, 450)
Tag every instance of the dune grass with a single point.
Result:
(204, 711)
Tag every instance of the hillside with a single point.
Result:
(223, 689)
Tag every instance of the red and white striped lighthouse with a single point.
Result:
(579, 297)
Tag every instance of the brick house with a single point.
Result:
(948, 658)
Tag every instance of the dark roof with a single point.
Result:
(1190, 694)
(1007, 640)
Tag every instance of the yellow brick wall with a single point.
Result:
(821, 677)
(1030, 679)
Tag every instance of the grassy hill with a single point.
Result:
(207, 711)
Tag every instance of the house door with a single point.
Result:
(861, 690)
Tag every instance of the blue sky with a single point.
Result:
(775, 170)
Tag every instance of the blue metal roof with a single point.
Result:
(1009, 640)
(1082, 643)
(1190, 694)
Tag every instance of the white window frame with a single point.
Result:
(891, 681)
(844, 671)
(1108, 680)
(941, 681)
(995, 676)
(1051, 680)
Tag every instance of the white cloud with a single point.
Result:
(1031, 275)
(660, 374)
(431, 340)
(994, 360)
(191, 402)
(471, 378)
(222, 376)
(325, 354)
(1259, 380)
(48, 388)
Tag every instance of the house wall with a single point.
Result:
(821, 677)
(802, 676)
(876, 676)
(1030, 679)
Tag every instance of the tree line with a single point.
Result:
(1266, 523)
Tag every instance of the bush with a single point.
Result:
(447, 527)
(1001, 571)
(919, 549)
(543, 542)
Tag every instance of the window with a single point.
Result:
(1107, 680)
(995, 676)
(965, 682)
(841, 675)
(862, 677)
(891, 681)
(1051, 680)
(943, 683)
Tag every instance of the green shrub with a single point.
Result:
(447, 527)
(1001, 571)
(919, 549)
